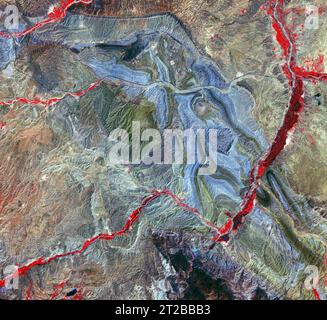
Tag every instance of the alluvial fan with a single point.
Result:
(229, 225)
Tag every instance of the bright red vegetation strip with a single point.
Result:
(295, 75)
(58, 289)
(21, 271)
(51, 101)
(316, 293)
(28, 291)
(55, 14)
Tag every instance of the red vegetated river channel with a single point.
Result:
(295, 75)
